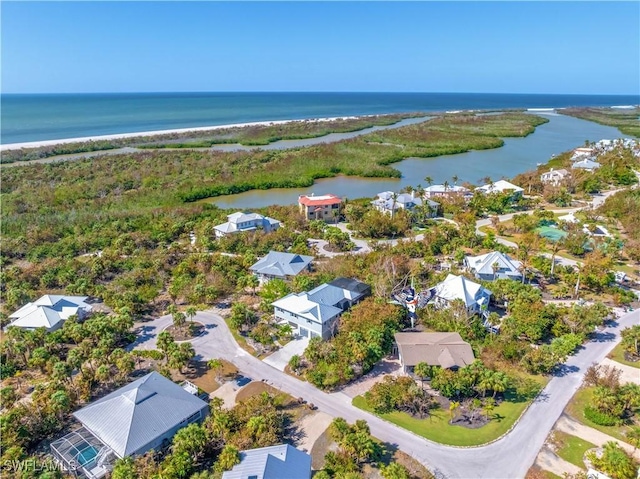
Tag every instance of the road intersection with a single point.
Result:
(509, 457)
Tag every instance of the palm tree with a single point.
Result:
(446, 186)
(429, 180)
(191, 312)
(455, 179)
(453, 407)
(556, 246)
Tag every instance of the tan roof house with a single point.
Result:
(447, 350)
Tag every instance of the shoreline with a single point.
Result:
(119, 136)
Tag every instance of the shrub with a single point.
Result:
(600, 418)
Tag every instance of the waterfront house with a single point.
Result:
(586, 164)
(389, 202)
(324, 207)
(132, 420)
(281, 265)
(554, 177)
(473, 295)
(447, 350)
(246, 221)
(501, 186)
(50, 312)
(273, 462)
(439, 191)
(494, 265)
(316, 313)
(582, 152)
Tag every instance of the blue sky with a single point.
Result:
(501, 47)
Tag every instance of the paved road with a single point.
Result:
(510, 457)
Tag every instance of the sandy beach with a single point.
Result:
(117, 136)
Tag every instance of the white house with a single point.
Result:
(315, 313)
(281, 265)
(274, 462)
(501, 186)
(50, 312)
(582, 152)
(246, 221)
(132, 420)
(435, 191)
(323, 207)
(586, 164)
(554, 177)
(598, 231)
(388, 202)
(474, 296)
(494, 265)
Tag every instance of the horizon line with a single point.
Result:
(310, 92)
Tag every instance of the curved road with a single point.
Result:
(509, 458)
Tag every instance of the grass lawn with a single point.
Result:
(618, 355)
(571, 448)
(437, 427)
(575, 409)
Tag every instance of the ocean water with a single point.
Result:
(30, 117)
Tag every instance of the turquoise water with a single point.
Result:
(60, 116)
(86, 455)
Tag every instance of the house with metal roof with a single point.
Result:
(281, 265)
(315, 313)
(473, 295)
(435, 191)
(246, 221)
(501, 186)
(494, 265)
(446, 350)
(50, 312)
(274, 462)
(586, 164)
(132, 420)
(322, 207)
(389, 202)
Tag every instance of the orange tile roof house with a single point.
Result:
(324, 207)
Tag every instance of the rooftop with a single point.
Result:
(274, 462)
(281, 264)
(136, 414)
(321, 200)
(436, 349)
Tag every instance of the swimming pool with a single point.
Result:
(86, 455)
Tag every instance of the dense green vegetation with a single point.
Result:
(256, 135)
(625, 120)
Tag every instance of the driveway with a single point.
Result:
(509, 457)
(281, 357)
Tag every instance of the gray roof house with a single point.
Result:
(586, 164)
(281, 265)
(494, 265)
(50, 312)
(132, 420)
(447, 350)
(274, 462)
(315, 313)
(246, 221)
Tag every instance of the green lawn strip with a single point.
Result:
(571, 448)
(575, 409)
(618, 355)
(437, 428)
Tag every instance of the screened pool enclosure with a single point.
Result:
(82, 452)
